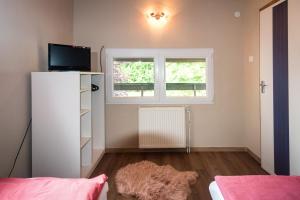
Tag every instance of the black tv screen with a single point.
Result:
(67, 57)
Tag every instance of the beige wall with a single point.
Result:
(233, 120)
(26, 28)
(195, 23)
(294, 85)
(251, 74)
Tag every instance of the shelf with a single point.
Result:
(84, 90)
(84, 141)
(54, 89)
(86, 171)
(84, 111)
(91, 73)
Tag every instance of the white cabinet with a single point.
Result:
(68, 133)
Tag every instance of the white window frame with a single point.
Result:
(159, 56)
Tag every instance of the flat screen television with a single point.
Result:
(68, 58)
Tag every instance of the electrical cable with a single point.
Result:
(16, 158)
(100, 58)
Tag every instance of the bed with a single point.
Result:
(215, 191)
(255, 187)
(45, 188)
(103, 194)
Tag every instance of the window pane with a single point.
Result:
(133, 77)
(186, 77)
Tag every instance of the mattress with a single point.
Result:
(215, 191)
(263, 187)
(103, 195)
(51, 188)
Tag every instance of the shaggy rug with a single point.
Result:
(147, 181)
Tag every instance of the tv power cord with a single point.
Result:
(20, 147)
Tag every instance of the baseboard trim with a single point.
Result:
(193, 149)
(253, 155)
(218, 149)
(137, 150)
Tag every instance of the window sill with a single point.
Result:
(166, 101)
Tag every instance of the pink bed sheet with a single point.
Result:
(259, 187)
(51, 188)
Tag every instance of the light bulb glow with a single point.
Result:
(157, 18)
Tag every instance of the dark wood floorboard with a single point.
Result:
(206, 164)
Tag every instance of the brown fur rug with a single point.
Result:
(147, 181)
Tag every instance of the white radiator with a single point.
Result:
(162, 127)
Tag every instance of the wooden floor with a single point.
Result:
(206, 164)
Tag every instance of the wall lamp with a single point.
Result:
(157, 18)
(157, 15)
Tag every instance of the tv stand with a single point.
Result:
(68, 134)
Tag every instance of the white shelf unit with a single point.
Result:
(68, 133)
(84, 141)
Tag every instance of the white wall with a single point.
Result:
(26, 28)
(294, 85)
